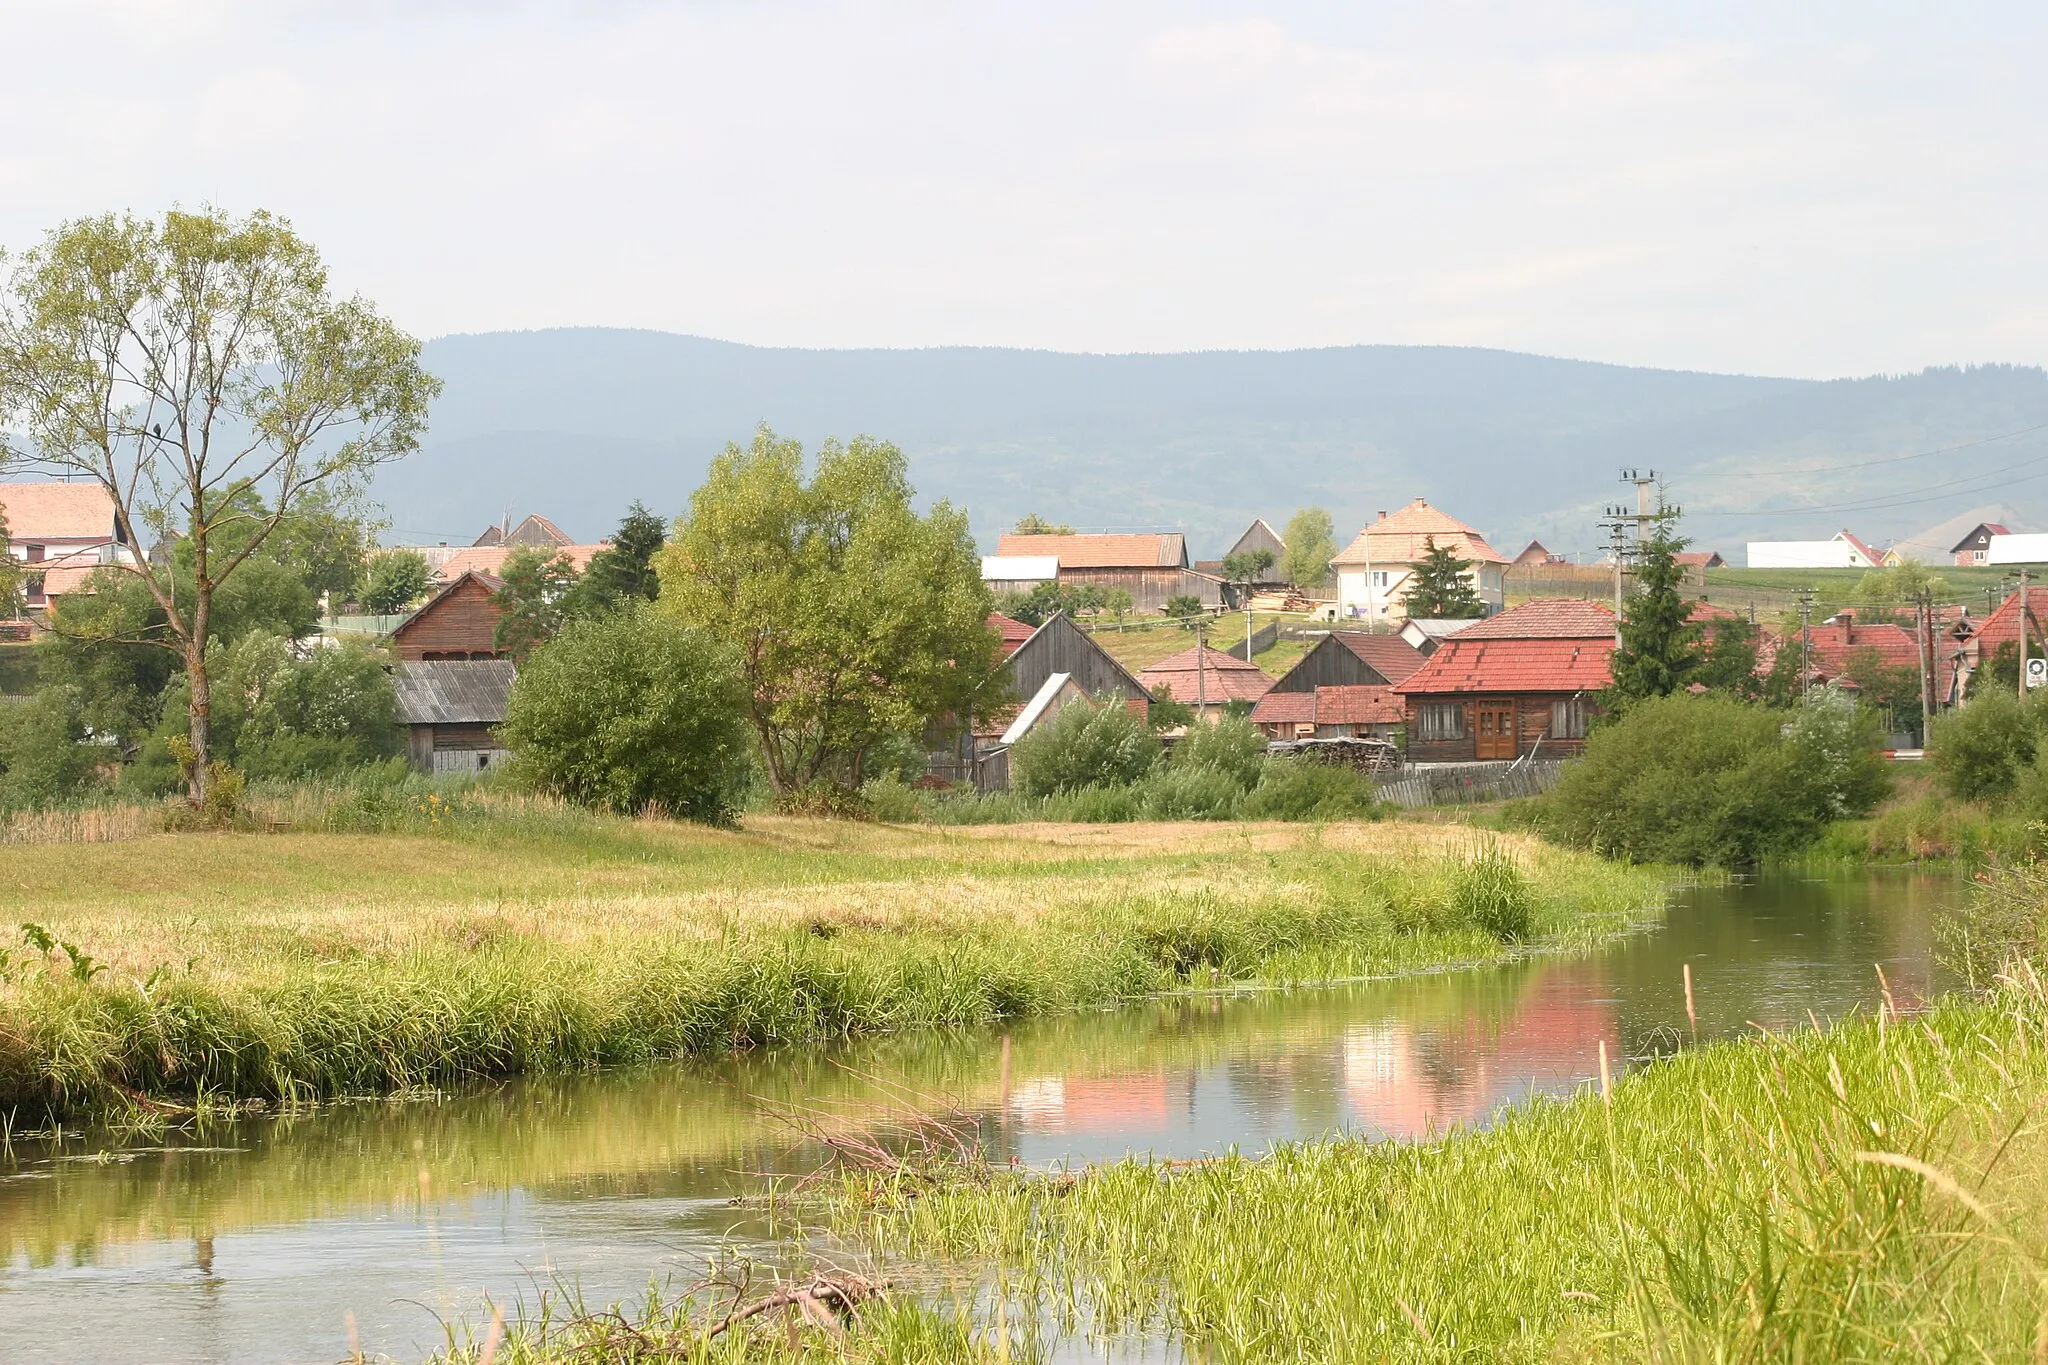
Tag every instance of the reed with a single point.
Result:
(290, 968)
(1871, 1193)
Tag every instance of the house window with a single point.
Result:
(1439, 720)
(1380, 578)
(1568, 719)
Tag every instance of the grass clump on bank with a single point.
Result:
(291, 967)
(1873, 1192)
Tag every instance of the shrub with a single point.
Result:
(1232, 746)
(632, 709)
(1302, 789)
(1084, 745)
(1712, 780)
(44, 759)
(1982, 749)
(1189, 792)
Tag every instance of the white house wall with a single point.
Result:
(1804, 554)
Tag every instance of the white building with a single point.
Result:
(2027, 548)
(1373, 572)
(1018, 573)
(1845, 551)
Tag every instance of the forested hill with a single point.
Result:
(576, 423)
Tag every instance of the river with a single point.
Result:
(266, 1241)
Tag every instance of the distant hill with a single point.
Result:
(576, 423)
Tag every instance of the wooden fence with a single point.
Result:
(1464, 783)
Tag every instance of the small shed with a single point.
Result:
(451, 710)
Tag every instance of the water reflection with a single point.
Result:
(253, 1242)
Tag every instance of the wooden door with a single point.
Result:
(1495, 730)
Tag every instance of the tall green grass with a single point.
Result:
(315, 1017)
(1876, 1192)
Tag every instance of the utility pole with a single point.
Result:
(1247, 623)
(1923, 637)
(1644, 480)
(1201, 675)
(2023, 633)
(1805, 642)
(1616, 526)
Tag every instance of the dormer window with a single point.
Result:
(36, 553)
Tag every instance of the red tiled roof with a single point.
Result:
(1545, 618)
(1101, 552)
(1014, 633)
(1697, 559)
(491, 559)
(1829, 648)
(2004, 624)
(57, 511)
(1393, 657)
(1224, 677)
(1466, 665)
(1402, 538)
(1285, 708)
(1875, 557)
(1703, 610)
(1357, 705)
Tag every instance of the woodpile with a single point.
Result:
(1289, 600)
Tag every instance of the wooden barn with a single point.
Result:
(1150, 567)
(451, 710)
(1342, 687)
(1059, 648)
(460, 622)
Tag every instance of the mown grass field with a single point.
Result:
(486, 942)
(1143, 642)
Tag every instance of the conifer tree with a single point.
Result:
(1660, 642)
(1439, 589)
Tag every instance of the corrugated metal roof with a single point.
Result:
(453, 692)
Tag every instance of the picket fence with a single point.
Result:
(1469, 782)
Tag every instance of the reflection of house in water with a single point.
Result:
(1096, 1104)
(1406, 1079)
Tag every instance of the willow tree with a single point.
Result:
(199, 370)
(855, 620)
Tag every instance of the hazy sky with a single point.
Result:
(1815, 189)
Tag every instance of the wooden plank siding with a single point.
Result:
(1531, 714)
(1150, 587)
(1060, 646)
(1331, 663)
(459, 622)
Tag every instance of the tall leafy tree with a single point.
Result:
(854, 619)
(1660, 642)
(198, 368)
(538, 580)
(1032, 524)
(393, 581)
(1311, 545)
(1730, 661)
(622, 572)
(1440, 586)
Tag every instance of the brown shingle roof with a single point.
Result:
(1545, 618)
(1101, 552)
(57, 511)
(1401, 538)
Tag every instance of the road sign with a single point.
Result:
(2037, 673)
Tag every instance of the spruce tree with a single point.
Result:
(1660, 642)
(1438, 589)
(623, 571)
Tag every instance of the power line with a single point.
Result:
(1925, 454)
(1879, 504)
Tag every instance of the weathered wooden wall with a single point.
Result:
(461, 624)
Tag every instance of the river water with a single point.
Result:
(271, 1241)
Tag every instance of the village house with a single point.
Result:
(1342, 687)
(459, 622)
(1697, 562)
(451, 710)
(1533, 556)
(1975, 548)
(1424, 634)
(1969, 645)
(1043, 671)
(1150, 567)
(1207, 679)
(490, 559)
(1524, 682)
(60, 533)
(1843, 551)
(535, 530)
(1373, 572)
(1018, 573)
(1258, 536)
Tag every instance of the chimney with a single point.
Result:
(1848, 620)
(1383, 516)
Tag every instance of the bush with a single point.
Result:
(1982, 749)
(1189, 792)
(1303, 789)
(1232, 746)
(1711, 780)
(44, 759)
(1084, 745)
(632, 710)
(392, 581)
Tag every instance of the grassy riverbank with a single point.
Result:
(1872, 1193)
(210, 967)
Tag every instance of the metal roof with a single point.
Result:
(453, 692)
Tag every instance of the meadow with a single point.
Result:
(388, 949)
